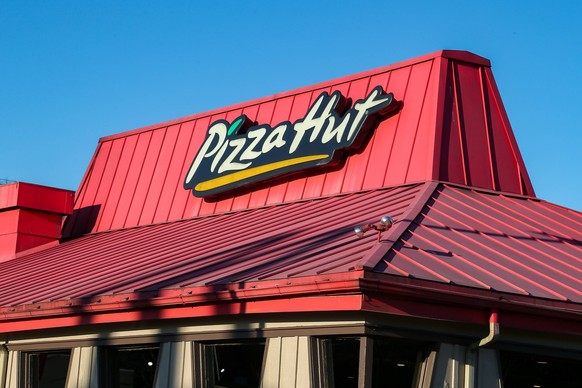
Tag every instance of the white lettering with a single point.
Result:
(363, 107)
(325, 115)
(309, 122)
(323, 130)
(257, 135)
(337, 132)
(228, 164)
(275, 138)
(218, 131)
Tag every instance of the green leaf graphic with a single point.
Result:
(234, 126)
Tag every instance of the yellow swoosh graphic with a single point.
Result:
(251, 172)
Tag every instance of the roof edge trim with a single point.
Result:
(349, 289)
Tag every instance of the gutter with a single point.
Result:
(358, 290)
(472, 354)
(493, 333)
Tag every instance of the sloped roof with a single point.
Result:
(493, 241)
(291, 240)
(452, 127)
(444, 234)
(445, 166)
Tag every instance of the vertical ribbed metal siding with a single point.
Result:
(136, 179)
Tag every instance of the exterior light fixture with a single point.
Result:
(385, 223)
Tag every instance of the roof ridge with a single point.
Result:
(381, 248)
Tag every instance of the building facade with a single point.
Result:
(377, 230)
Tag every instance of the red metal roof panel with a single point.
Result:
(451, 127)
(443, 234)
(506, 243)
(272, 242)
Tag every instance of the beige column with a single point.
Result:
(287, 363)
(175, 365)
(12, 369)
(83, 368)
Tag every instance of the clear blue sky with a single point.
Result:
(74, 71)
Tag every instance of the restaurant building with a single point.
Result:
(376, 230)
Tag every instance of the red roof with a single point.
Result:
(445, 167)
(452, 127)
(443, 234)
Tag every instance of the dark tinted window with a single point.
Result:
(531, 371)
(395, 363)
(340, 361)
(131, 367)
(231, 365)
(47, 369)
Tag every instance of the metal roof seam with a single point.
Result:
(393, 267)
(460, 132)
(448, 265)
(485, 215)
(375, 140)
(560, 219)
(508, 258)
(125, 177)
(519, 253)
(102, 210)
(309, 203)
(461, 247)
(422, 109)
(426, 190)
(501, 233)
(526, 185)
(483, 190)
(542, 216)
(397, 126)
(537, 229)
(350, 161)
(425, 268)
(468, 262)
(488, 130)
(168, 134)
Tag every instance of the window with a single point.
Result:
(395, 363)
(339, 360)
(129, 367)
(533, 371)
(386, 363)
(46, 369)
(233, 365)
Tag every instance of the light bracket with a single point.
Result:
(385, 223)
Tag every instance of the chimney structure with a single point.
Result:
(31, 216)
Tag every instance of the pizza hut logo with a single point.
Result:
(241, 153)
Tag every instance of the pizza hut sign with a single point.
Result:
(241, 153)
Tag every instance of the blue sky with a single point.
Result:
(74, 71)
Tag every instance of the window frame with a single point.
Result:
(204, 376)
(105, 360)
(321, 379)
(25, 368)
